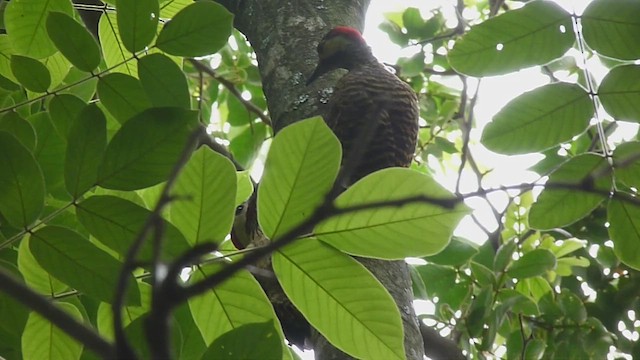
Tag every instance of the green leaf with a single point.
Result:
(235, 302)
(25, 24)
(50, 152)
(116, 56)
(246, 145)
(137, 22)
(624, 229)
(42, 340)
(199, 29)
(611, 28)
(206, 191)
(533, 263)
(20, 128)
(74, 260)
(535, 287)
(503, 256)
(566, 197)
(533, 35)
(626, 164)
(63, 110)
(169, 8)
(392, 232)
(6, 50)
(572, 306)
(74, 41)
(116, 222)
(522, 126)
(146, 148)
(302, 164)
(619, 92)
(34, 275)
(104, 316)
(163, 81)
(482, 274)
(457, 253)
(319, 280)
(244, 186)
(86, 146)
(122, 95)
(535, 349)
(265, 343)
(21, 183)
(437, 279)
(31, 73)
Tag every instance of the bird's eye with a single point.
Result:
(239, 209)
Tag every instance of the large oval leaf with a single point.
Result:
(301, 167)
(20, 128)
(624, 229)
(533, 263)
(392, 232)
(146, 148)
(63, 110)
(236, 302)
(26, 27)
(567, 197)
(34, 275)
(626, 164)
(164, 81)
(85, 148)
(619, 93)
(50, 152)
(199, 29)
(122, 95)
(21, 183)
(319, 280)
(116, 222)
(232, 345)
(116, 55)
(31, 73)
(522, 126)
(533, 35)
(611, 28)
(74, 41)
(206, 191)
(137, 22)
(77, 262)
(43, 340)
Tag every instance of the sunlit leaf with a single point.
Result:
(206, 190)
(393, 232)
(199, 29)
(235, 302)
(626, 164)
(522, 126)
(533, 35)
(26, 26)
(319, 280)
(43, 340)
(300, 169)
(611, 28)
(531, 264)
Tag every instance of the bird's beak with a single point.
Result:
(319, 71)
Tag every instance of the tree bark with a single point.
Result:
(284, 35)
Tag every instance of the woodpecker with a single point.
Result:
(368, 93)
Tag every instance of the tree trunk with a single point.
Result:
(284, 35)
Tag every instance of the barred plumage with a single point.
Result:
(364, 93)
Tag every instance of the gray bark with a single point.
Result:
(284, 35)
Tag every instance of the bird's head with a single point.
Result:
(340, 48)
